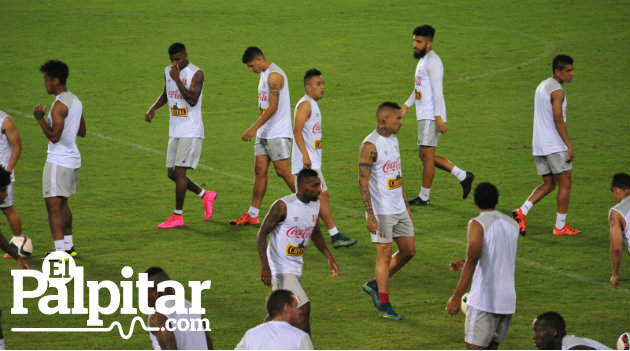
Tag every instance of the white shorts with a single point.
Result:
(59, 180)
(8, 201)
(394, 226)
(276, 148)
(482, 328)
(428, 134)
(320, 175)
(552, 164)
(292, 283)
(183, 152)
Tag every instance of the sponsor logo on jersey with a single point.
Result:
(317, 144)
(262, 96)
(391, 166)
(175, 94)
(295, 250)
(317, 128)
(185, 81)
(262, 110)
(295, 232)
(418, 95)
(418, 81)
(393, 183)
(179, 111)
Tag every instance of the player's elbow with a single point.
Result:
(54, 139)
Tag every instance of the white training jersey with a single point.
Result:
(185, 340)
(65, 152)
(312, 133)
(6, 149)
(279, 125)
(492, 287)
(623, 208)
(386, 176)
(185, 120)
(290, 238)
(570, 341)
(546, 139)
(275, 335)
(428, 94)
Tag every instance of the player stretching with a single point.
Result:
(386, 206)
(551, 146)
(183, 92)
(431, 115)
(292, 222)
(307, 148)
(61, 172)
(618, 218)
(10, 149)
(272, 130)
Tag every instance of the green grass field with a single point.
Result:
(495, 53)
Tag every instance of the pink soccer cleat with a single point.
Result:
(172, 222)
(208, 201)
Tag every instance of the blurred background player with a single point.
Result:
(387, 211)
(292, 222)
(279, 333)
(618, 218)
(272, 130)
(61, 172)
(10, 150)
(551, 146)
(164, 339)
(492, 244)
(428, 98)
(307, 148)
(183, 91)
(550, 334)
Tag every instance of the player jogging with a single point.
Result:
(307, 148)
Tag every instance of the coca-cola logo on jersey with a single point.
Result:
(392, 166)
(418, 80)
(295, 232)
(317, 128)
(175, 94)
(262, 96)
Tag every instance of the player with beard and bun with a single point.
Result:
(292, 222)
(428, 98)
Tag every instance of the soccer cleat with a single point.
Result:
(339, 240)
(208, 200)
(467, 184)
(245, 219)
(172, 222)
(8, 256)
(387, 311)
(48, 253)
(566, 230)
(417, 201)
(521, 219)
(371, 288)
(72, 252)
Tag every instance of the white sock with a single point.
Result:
(333, 231)
(178, 212)
(561, 220)
(253, 212)
(461, 175)
(202, 193)
(67, 240)
(2, 345)
(59, 245)
(424, 193)
(526, 207)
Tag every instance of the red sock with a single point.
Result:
(384, 297)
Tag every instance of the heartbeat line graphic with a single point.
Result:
(103, 329)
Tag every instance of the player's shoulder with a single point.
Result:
(194, 67)
(623, 206)
(372, 138)
(289, 199)
(550, 85)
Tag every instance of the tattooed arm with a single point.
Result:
(277, 213)
(276, 83)
(367, 157)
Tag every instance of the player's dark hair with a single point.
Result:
(158, 275)
(176, 48)
(553, 320)
(311, 73)
(560, 62)
(55, 69)
(251, 53)
(621, 181)
(5, 178)
(305, 174)
(425, 30)
(387, 105)
(276, 301)
(486, 196)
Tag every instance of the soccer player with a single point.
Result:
(183, 91)
(61, 172)
(307, 148)
(292, 222)
(165, 339)
(10, 150)
(386, 207)
(550, 334)
(279, 333)
(431, 115)
(490, 263)
(272, 130)
(618, 217)
(551, 146)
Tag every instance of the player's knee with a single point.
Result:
(170, 172)
(408, 254)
